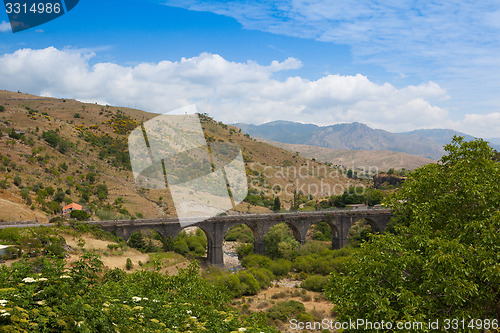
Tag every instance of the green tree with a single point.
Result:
(279, 241)
(374, 197)
(80, 215)
(90, 177)
(444, 260)
(2, 108)
(102, 191)
(136, 241)
(17, 180)
(129, 265)
(277, 204)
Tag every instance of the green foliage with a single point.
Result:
(280, 242)
(136, 241)
(239, 233)
(102, 191)
(54, 140)
(277, 204)
(192, 245)
(80, 215)
(10, 235)
(315, 283)
(114, 149)
(443, 260)
(17, 181)
(129, 264)
(78, 300)
(285, 310)
(2, 108)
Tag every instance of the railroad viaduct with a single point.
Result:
(215, 228)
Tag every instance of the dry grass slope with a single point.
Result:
(35, 161)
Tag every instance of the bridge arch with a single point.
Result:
(215, 228)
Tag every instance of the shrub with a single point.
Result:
(280, 267)
(136, 241)
(129, 264)
(315, 283)
(80, 215)
(285, 310)
(248, 283)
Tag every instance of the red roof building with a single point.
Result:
(72, 206)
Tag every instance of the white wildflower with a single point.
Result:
(145, 298)
(28, 280)
(189, 311)
(43, 279)
(65, 277)
(5, 314)
(136, 299)
(242, 329)
(41, 302)
(3, 302)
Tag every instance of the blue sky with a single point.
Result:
(400, 65)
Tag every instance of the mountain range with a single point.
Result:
(426, 143)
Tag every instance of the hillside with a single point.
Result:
(426, 143)
(368, 159)
(65, 151)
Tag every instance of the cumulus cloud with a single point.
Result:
(5, 27)
(453, 43)
(229, 91)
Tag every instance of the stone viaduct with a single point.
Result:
(215, 228)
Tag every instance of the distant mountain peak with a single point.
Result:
(357, 136)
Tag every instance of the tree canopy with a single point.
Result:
(444, 259)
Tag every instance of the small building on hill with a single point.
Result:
(71, 207)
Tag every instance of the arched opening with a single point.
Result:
(321, 235)
(192, 243)
(238, 242)
(359, 231)
(282, 240)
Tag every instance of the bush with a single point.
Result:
(129, 264)
(10, 235)
(280, 267)
(78, 299)
(80, 215)
(315, 283)
(136, 241)
(2, 108)
(248, 283)
(285, 310)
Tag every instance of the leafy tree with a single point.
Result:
(90, 177)
(17, 180)
(102, 191)
(129, 265)
(279, 241)
(136, 241)
(59, 195)
(374, 197)
(52, 138)
(80, 215)
(277, 204)
(2, 108)
(50, 190)
(25, 193)
(443, 261)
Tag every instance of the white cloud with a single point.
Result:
(453, 43)
(229, 91)
(5, 27)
